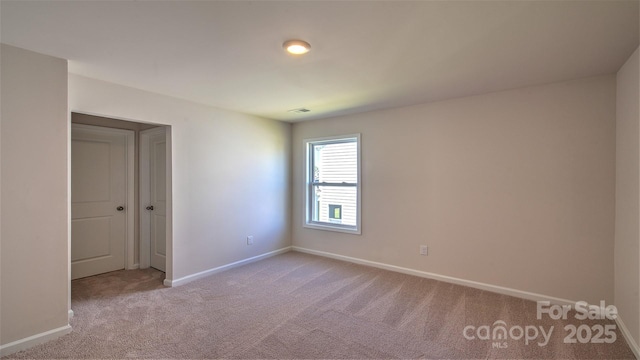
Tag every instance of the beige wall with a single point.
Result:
(514, 188)
(627, 231)
(230, 173)
(136, 128)
(34, 245)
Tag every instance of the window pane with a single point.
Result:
(335, 204)
(335, 163)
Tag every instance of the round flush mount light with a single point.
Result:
(296, 47)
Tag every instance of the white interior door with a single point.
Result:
(154, 153)
(98, 199)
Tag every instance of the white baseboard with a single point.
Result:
(70, 314)
(474, 284)
(34, 340)
(627, 335)
(196, 276)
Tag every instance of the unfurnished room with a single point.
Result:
(320, 179)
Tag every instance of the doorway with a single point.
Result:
(89, 244)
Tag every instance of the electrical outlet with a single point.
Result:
(250, 240)
(424, 250)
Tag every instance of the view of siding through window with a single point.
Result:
(335, 165)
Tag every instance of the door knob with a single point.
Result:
(120, 208)
(150, 207)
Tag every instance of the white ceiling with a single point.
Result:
(365, 55)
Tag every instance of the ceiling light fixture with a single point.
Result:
(296, 47)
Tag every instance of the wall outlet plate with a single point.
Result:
(424, 250)
(250, 240)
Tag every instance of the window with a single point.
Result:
(333, 183)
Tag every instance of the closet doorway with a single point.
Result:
(120, 168)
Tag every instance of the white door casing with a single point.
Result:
(153, 190)
(101, 181)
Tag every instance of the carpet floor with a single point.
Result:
(297, 305)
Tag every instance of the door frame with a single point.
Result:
(145, 217)
(129, 247)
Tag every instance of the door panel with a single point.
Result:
(95, 233)
(98, 185)
(159, 168)
(160, 225)
(90, 170)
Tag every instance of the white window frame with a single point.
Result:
(308, 188)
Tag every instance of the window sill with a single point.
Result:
(329, 227)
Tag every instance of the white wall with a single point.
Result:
(231, 173)
(627, 231)
(514, 188)
(34, 245)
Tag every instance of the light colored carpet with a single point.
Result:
(299, 306)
